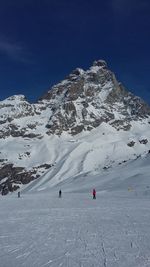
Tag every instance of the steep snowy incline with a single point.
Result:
(94, 152)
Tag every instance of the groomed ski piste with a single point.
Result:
(40, 229)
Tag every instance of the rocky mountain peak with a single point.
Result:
(77, 72)
(85, 99)
(14, 98)
(100, 63)
(80, 103)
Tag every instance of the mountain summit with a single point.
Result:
(86, 105)
(85, 99)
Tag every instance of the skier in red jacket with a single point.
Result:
(94, 193)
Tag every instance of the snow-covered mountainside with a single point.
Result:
(85, 124)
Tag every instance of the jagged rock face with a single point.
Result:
(18, 118)
(81, 102)
(15, 176)
(85, 99)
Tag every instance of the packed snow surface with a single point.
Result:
(39, 229)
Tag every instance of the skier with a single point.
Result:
(59, 193)
(94, 193)
(4, 190)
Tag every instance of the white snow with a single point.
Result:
(39, 229)
(90, 151)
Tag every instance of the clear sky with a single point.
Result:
(42, 41)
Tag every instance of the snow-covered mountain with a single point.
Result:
(85, 124)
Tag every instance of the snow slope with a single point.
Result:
(39, 229)
(88, 154)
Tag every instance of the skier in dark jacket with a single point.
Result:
(94, 193)
(60, 193)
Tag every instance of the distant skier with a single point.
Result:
(94, 193)
(60, 193)
(18, 194)
(4, 190)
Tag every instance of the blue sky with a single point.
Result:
(42, 41)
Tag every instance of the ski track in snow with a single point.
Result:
(43, 230)
(39, 229)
